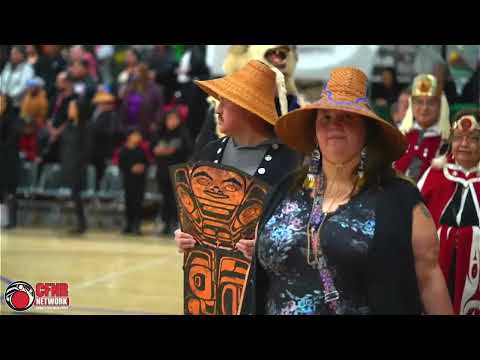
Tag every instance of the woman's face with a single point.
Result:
(466, 148)
(230, 117)
(340, 135)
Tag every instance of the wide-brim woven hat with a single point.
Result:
(252, 87)
(345, 91)
(103, 97)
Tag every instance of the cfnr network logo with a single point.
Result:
(21, 296)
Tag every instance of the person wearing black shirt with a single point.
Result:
(104, 132)
(73, 157)
(133, 165)
(50, 63)
(49, 138)
(172, 145)
(10, 132)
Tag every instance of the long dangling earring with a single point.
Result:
(313, 169)
(361, 166)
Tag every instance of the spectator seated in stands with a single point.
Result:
(34, 104)
(15, 74)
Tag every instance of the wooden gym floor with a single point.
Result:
(107, 273)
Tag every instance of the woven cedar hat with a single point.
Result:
(252, 87)
(345, 91)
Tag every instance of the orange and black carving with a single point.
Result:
(218, 206)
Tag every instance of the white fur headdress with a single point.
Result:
(443, 122)
(281, 90)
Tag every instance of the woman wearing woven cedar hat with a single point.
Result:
(346, 236)
(451, 189)
(247, 116)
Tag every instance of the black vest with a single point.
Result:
(391, 278)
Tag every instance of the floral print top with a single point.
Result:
(295, 287)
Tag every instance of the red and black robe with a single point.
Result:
(425, 150)
(452, 196)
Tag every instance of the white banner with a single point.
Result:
(315, 62)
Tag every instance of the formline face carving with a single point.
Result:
(218, 206)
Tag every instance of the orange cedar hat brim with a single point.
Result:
(253, 88)
(345, 91)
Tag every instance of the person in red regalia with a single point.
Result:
(451, 189)
(426, 126)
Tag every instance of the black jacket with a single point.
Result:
(74, 148)
(59, 115)
(278, 161)
(164, 67)
(392, 286)
(48, 68)
(130, 157)
(105, 133)
(181, 135)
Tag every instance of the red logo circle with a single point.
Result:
(20, 296)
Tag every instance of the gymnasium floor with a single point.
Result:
(107, 273)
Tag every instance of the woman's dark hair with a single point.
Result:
(378, 168)
(378, 165)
